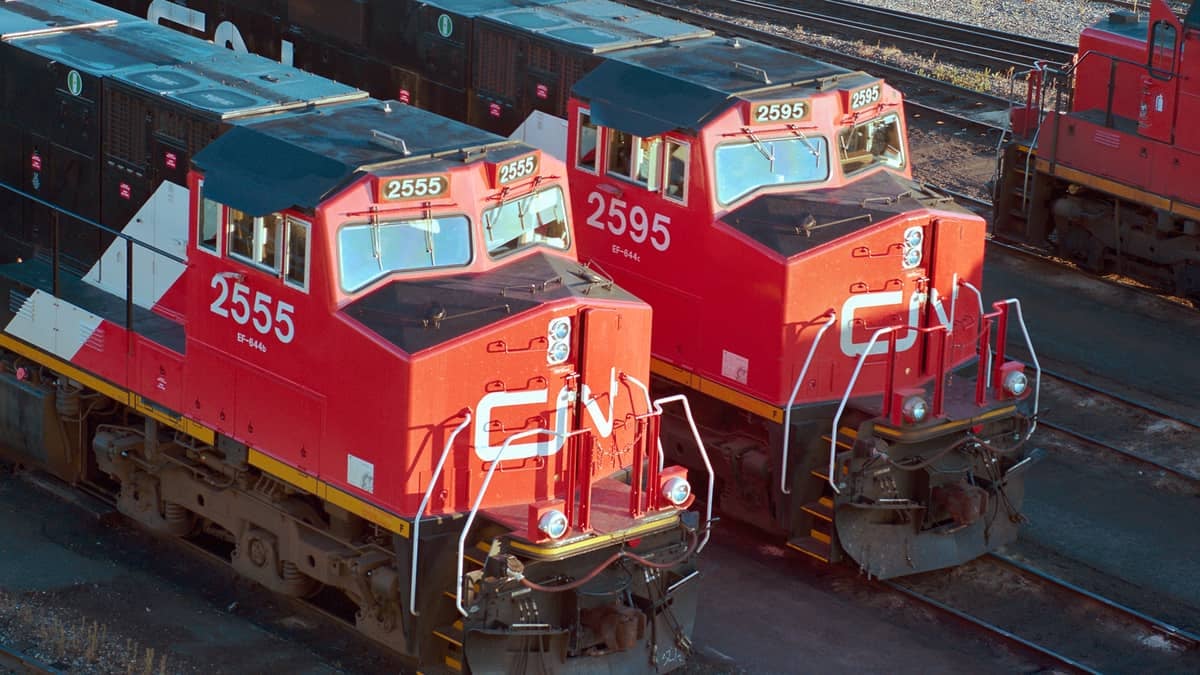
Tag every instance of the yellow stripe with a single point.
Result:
(716, 390)
(1118, 189)
(454, 663)
(819, 536)
(331, 494)
(122, 396)
(556, 552)
(64, 368)
(953, 425)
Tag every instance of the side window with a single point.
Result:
(678, 156)
(620, 151)
(589, 137)
(649, 161)
(255, 239)
(208, 221)
(1162, 50)
(296, 265)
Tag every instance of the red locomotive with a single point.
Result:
(823, 306)
(1098, 168)
(347, 337)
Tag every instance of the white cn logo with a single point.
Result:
(905, 340)
(225, 34)
(487, 452)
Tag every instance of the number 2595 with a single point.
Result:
(621, 219)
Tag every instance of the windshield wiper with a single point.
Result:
(807, 143)
(769, 155)
(376, 251)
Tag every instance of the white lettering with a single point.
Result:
(878, 299)
(546, 446)
(160, 10)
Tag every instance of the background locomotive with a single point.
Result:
(823, 308)
(346, 337)
(1102, 165)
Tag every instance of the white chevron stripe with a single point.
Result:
(54, 325)
(161, 222)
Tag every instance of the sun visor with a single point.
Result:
(259, 174)
(618, 93)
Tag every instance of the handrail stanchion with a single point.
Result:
(837, 418)
(462, 539)
(787, 414)
(416, 535)
(687, 408)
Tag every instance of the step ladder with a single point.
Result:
(453, 635)
(821, 538)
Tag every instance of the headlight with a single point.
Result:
(559, 334)
(553, 524)
(914, 239)
(560, 328)
(677, 491)
(559, 351)
(915, 409)
(1015, 383)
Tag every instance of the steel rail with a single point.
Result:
(14, 661)
(1058, 658)
(1182, 636)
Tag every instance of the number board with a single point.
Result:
(513, 170)
(404, 188)
(770, 112)
(864, 97)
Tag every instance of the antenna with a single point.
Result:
(390, 142)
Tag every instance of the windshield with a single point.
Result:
(745, 167)
(873, 143)
(369, 251)
(538, 218)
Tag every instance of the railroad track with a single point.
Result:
(1172, 422)
(1054, 619)
(15, 663)
(969, 45)
(930, 94)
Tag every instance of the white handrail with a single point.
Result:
(833, 434)
(649, 407)
(787, 415)
(703, 455)
(462, 539)
(988, 365)
(1037, 367)
(416, 536)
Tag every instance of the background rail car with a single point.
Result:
(1102, 164)
(824, 307)
(344, 336)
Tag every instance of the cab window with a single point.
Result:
(589, 137)
(635, 158)
(295, 271)
(538, 218)
(368, 251)
(1162, 50)
(255, 239)
(620, 151)
(744, 166)
(208, 224)
(872, 143)
(678, 156)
